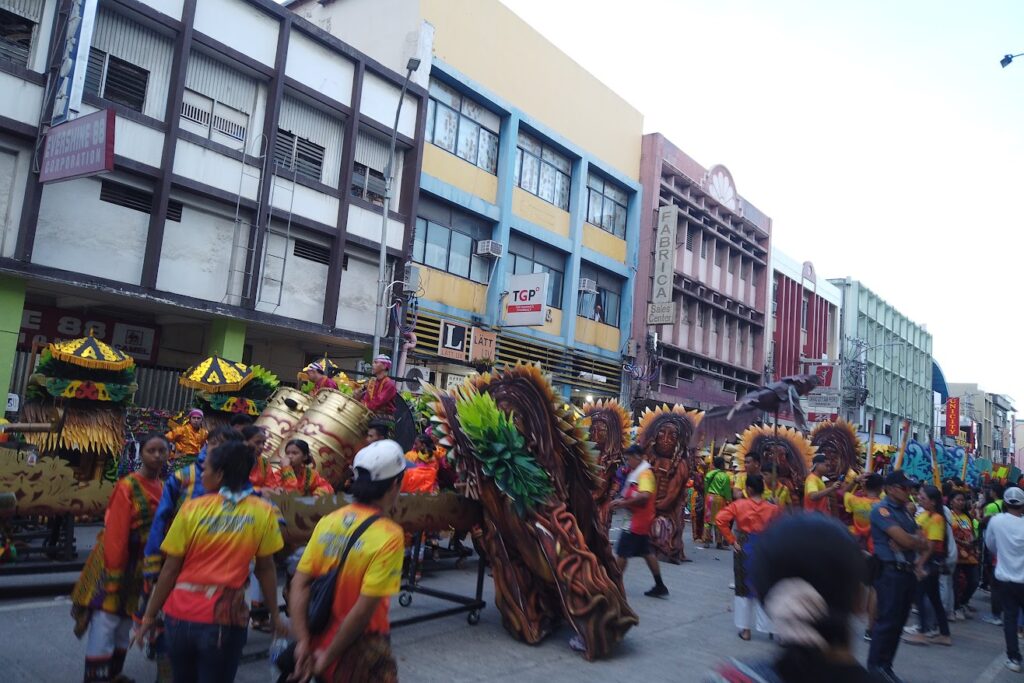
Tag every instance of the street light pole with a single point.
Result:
(380, 322)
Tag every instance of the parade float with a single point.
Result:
(225, 388)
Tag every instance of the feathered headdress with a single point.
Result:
(685, 421)
(759, 438)
(614, 415)
(840, 436)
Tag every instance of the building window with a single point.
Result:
(804, 306)
(528, 256)
(449, 249)
(604, 305)
(218, 100)
(606, 205)
(136, 199)
(299, 155)
(459, 125)
(703, 245)
(15, 37)
(214, 118)
(689, 239)
(371, 161)
(116, 80)
(542, 171)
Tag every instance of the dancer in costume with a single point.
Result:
(318, 374)
(718, 494)
(421, 477)
(751, 516)
(609, 432)
(844, 453)
(295, 474)
(107, 592)
(782, 455)
(188, 439)
(379, 394)
(664, 434)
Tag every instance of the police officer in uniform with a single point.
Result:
(897, 542)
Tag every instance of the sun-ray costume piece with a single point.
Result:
(608, 424)
(844, 456)
(521, 454)
(664, 434)
(785, 460)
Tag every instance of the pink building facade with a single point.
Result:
(713, 351)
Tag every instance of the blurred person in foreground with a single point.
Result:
(809, 572)
(1005, 538)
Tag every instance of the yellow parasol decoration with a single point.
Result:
(90, 352)
(216, 375)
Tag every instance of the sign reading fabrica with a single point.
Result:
(82, 147)
(526, 303)
(661, 310)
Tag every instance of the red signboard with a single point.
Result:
(42, 325)
(81, 147)
(953, 417)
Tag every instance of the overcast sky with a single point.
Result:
(882, 137)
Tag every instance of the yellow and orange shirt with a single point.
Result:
(933, 525)
(643, 516)
(218, 540)
(186, 440)
(859, 508)
(373, 567)
(814, 484)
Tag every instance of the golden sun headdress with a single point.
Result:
(758, 438)
(840, 436)
(613, 414)
(686, 421)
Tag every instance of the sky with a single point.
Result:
(882, 137)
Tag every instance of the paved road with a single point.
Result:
(678, 639)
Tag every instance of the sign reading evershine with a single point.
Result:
(82, 147)
(526, 303)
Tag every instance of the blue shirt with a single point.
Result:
(185, 481)
(885, 515)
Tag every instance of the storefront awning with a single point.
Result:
(939, 382)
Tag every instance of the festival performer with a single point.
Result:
(858, 502)
(106, 595)
(421, 476)
(818, 495)
(201, 588)
(639, 496)
(379, 394)
(609, 432)
(664, 434)
(295, 474)
(844, 453)
(751, 516)
(317, 372)
(782, 456)
(968, 562)
(188, 439)
(695, 498)
(718, 494)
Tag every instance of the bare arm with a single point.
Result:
(904, 540)
(266, 574)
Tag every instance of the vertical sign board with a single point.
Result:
(78, 148)
(953, 417)
(824, 400)
(526, 304)
(484, 345)
(453, 340)
(661, 310)
(74, 61)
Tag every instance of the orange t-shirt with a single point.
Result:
(751, 517)
(218, 540)
(186, 440)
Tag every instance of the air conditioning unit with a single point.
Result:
(416, 376)
(588, 286)
(490, 249)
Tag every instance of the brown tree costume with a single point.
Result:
(553, 561)
(785, 460)
(844, 455)
(609, 433)
(664, 434)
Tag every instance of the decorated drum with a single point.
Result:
(334, 426)
(282, 414)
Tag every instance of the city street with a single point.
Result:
(678, 639)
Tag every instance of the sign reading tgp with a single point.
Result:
(527, 300)
(665, 255)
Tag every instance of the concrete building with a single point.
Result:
(714, 349)
(886, 361)
(242, 215)
(804, 330)
(976, 411)
(531, 166)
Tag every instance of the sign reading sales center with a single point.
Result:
(526, 303)
(81, 147)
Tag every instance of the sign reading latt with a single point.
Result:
(526, 303)
(82, 147)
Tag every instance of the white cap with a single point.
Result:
(1013, 496)
(382, 459)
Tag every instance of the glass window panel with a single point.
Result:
(585, 305)
(554, 288)
(595, 182)
(562, 183)
(608, 215)
(523, 266)
(444, 93)
(469, 137)
(446, 122)
(479, 269)
(556, 160)
(459, 255)
(419, 240)
(612, 302)
(594, 207)
(619, 221)
(616, 194)
(548, 177)
(428, 132)
(488, 155)
(529, 144)
(530, 173)
(436, 255)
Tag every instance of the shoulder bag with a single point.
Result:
(321, 590)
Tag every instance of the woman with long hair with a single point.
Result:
(107, 593)
(208, 549)
(929, 568)
(808, 573)
(968, 565)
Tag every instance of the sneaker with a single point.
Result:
(911, 630)
(962, 615)
(953, 616)
(989, 619)
(916, 639)
(942, 640)
(867, 635)
(1013, 665)
(932, 633)
(732, 585)
(657, 592)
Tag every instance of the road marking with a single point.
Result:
(993, 670)
(35, 605)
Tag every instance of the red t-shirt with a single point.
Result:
(643, 516)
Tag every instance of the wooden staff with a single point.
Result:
(869, 459)
(936, 472)
(903, 445)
